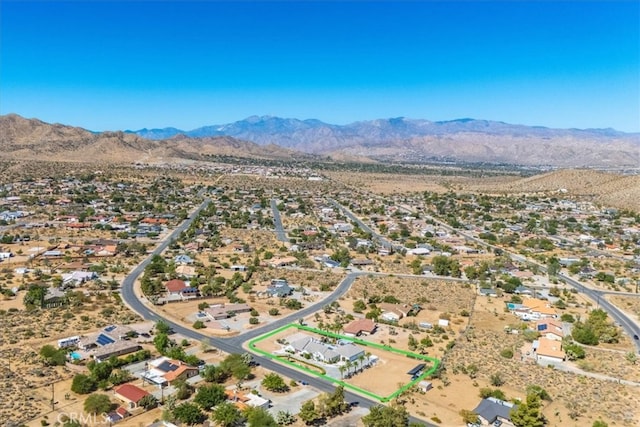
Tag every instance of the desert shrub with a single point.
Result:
(507, 353)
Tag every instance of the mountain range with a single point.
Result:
(408, 140)
(389, 140)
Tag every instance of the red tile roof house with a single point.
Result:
(359, 327)
(130, 394)
(178, 288)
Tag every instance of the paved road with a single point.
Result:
(629, 326)
(281, 235)
(375, 236)
(235, 344)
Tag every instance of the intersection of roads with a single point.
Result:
(236, 344)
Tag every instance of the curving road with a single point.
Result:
(235, 344)
(629, 326)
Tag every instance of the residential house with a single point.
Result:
(533, 309)
(540, 308)
(494, 412)
(348, 351)
(395, 312)
(77, 278)
(283, 262)
(111, 341)
(183, 260)
(279, 288)
(224, 311)
(550, 329)
(343, 227)
(117, 415)
(130, 394)
(163, 371)
(488, 292)
(179, 289)
(54, 297)
(359, 327)
(548, 351)
(187, 271)
(242, 401)
(117, 348)
(302, 343)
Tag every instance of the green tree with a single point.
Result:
(342, 256)
(97, 404)
(528, 414)
(227, 415)
(162, 327)
(539, 391)
(584, 334)
(212, 373)
(259, 417)
(53, 356)
(599, 423)
(553, 267)
(285, 418)
(148, 402)
(309, 413)
(199, 324)
(573, 351)
(34, 297)
(83, 384)
(161, 341)
(100, 371)
(209, 396)
(359, 306)
(386, 416)
(237, 366)
(274, 382)
(334, 403)
(188, 413)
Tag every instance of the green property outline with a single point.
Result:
(383, 399)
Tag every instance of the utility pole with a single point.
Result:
(53, 401)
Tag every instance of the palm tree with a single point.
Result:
(361, 361)
(348, 365)
(341, 368)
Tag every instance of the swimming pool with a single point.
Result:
(75, 355)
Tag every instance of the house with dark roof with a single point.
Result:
(492, 411)
(279, 288)
(118, 415)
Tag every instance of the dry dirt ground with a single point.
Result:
(23, 333)
(607, 189)
(631, 305)
(573, 395)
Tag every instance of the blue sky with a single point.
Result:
(127, 65)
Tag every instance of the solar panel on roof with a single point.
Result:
(110, 328)
(167, 366)
(104, 339)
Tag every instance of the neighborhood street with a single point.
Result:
(235, 344)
